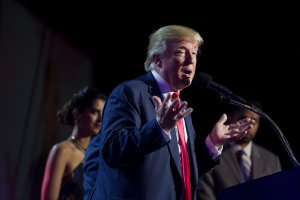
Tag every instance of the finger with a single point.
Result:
(185, 113)
(157, 102)
(245, 121)
(188, 112)
(239, 135)
(238, 129)
(223, 118)
(181, 106)
(242, 124)
(246, 128)
(232, 126)
(175, 106)
(168, 98)
(182, 110)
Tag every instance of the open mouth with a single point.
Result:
(186, 76)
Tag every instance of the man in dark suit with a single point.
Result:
(138, 154)
(232, 170)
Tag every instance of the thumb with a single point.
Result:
(157, 102)
(223, 118)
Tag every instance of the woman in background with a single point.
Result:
(63, 176)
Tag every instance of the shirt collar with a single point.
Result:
(164, 87)
(247, 148)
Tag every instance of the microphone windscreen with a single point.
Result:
(202, 80)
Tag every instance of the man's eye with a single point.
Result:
(93, 111)
(180, 52)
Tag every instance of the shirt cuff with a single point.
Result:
(214, 151)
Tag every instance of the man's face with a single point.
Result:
(244, 113)
(178, 63)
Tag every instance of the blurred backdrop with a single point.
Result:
(50, 49)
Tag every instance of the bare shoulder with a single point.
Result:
(65, 155)
(62, 150)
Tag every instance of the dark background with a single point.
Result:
(251, 48)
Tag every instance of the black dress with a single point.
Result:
(72, 185)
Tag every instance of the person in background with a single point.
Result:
(63, 175)
(146, 149)
(232, 170)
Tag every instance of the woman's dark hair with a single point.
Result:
(80, 101)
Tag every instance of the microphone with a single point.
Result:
(204, 81)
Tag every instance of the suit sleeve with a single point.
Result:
(205, 161)
(206, 187)
(130, 129)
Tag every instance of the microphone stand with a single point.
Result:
(284, 141)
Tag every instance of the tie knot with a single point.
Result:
(175, 95)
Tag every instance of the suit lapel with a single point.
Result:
(255, 159)
(173, 145)
(153, 88)
(174, 150)
(232, 162)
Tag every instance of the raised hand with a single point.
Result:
(168, 112)
(222, 134)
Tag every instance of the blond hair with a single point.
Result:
(158, 40)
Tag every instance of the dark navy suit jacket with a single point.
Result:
(130, 158)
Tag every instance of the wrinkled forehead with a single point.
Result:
(183, 42)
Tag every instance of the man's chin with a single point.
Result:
(186, 82)
(244, 140)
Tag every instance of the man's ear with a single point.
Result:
(157, 60)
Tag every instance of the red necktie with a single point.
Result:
(185, 160)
